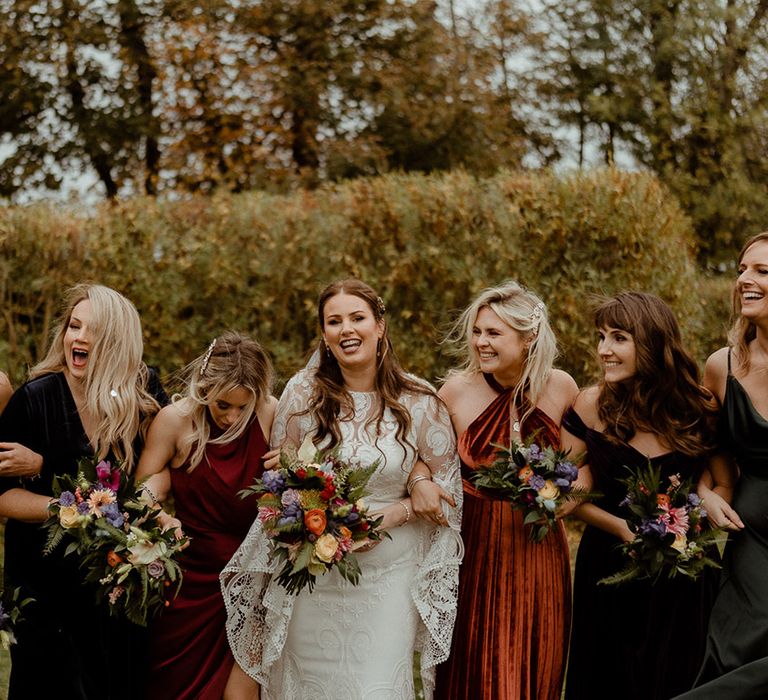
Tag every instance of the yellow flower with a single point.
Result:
(69, 517)
(680, 543)
(326, 547)
(549, 490)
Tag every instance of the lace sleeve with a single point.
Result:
(435, 589)
(290, 425)
(258, 608)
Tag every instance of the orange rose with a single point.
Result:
(345, 531)
(113, 558)
(315, 522)
(525, 474)
(662, 499)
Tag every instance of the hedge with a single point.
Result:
(256, 262)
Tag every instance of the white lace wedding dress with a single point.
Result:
(345, 641)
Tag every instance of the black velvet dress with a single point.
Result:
(736, 661)
(635, 640)
(68, 646)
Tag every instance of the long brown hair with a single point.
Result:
(743, 331)
(331, 402)
(664, 396)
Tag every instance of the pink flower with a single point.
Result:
(98, 499)
(115, 593)
(676, 520)
(267, 513)
(108, 477)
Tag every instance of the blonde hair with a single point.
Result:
(743, 331)
(231, 361)
(525, 313)
(116, 377)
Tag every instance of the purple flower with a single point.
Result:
(626, 501)
(652, 526)
(273, 480)
(67, 498)
(536, 482)
(112, 514)
(567, 470)
(534, 452)
(156, 568)
(694, 500)
(563, 483)
(83, 508)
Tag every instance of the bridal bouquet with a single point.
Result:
(313, 512)
(10, 615)
(669, 522)
(534, 479)
(113, 530)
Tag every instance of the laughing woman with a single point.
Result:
(345, 641)
(511, 636)
(90, 395)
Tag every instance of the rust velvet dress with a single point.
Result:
(189, 652)
(510, 641)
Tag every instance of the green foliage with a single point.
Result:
(256, 262)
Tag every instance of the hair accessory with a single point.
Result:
(207, 357)
(537, 312)
(380, 306)
(113, 393)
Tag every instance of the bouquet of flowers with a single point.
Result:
(533, 479)
(313, 512)
(113, 530)
(670, 525)
(10, 615)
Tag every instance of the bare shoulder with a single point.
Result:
(170, 419)
(586, 406)
(564, 385)
(455, 387)
(6, 390)
(265, 412)
(716, 372)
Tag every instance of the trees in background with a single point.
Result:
(161, 95)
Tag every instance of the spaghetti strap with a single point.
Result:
(729, 362)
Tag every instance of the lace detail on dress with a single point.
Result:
(412, 578)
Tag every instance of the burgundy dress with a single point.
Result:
(189, 652)
(510, 641)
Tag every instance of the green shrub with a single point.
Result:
(256, 262)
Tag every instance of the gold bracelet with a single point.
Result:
(416, 479)
(407, 512)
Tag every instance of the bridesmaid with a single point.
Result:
(637, 640)
(511, 635)
(91, 395)
(202, 450)
(736, 661)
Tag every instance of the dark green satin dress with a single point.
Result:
(736, 661)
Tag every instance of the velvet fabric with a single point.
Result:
(511, 634)
(69, 646)
(189, 653)
(736, 661)
(640, 640)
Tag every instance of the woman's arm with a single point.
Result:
(26, 506)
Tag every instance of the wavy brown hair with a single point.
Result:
(331, 402)
(743, 331)
(664, 396)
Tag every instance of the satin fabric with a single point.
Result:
(638, 640)
(189, 653)
(511, 634)
(68, 646)
(736, 661)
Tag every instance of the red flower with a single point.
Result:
(301, 473)
(662, 499)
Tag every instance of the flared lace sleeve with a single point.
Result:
(435, 589)
(258, 608)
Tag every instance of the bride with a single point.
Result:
(344, 640)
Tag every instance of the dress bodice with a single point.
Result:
(743, 431)
(612, 460)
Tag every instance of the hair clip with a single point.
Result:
(380, 306)
(207, 357)
(538, 311)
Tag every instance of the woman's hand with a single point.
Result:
(719, 512)
(272, 459)
(17, 460)
(624, 533)
(426, 501)
(168, 522)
